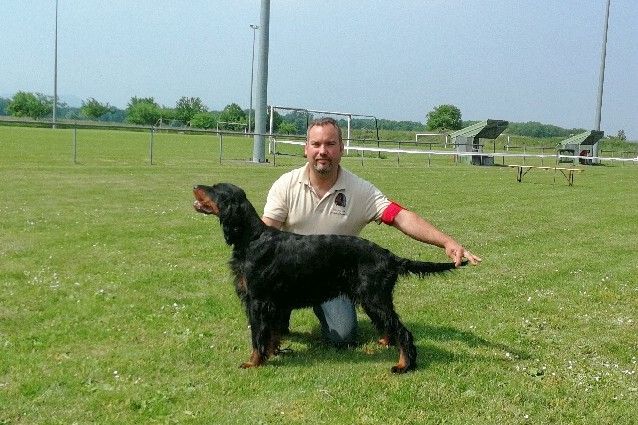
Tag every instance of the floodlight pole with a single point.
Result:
(259, 151)
(602, 69)
(599, 106)
(55, 68)
(252, 72)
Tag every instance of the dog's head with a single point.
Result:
(217, 198)
(228, 202)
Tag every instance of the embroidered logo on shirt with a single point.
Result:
(340, 200)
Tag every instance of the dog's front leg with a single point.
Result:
(261, 334)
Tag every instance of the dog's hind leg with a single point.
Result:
(380, 325)
(407, 350)
(387, 321)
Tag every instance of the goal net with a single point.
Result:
(290, 124)
(232, 126)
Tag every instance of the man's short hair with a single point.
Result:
(323, 122)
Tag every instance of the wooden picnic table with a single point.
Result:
(568, 173)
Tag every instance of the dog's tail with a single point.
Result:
(422, 268)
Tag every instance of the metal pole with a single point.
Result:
(271, 114)
(272, 121)
(221, 147)
(274, 151)
(262, 84)
(55, 68)
(594, 150)
(150, 147)
(252, 72)
(349, 133)
(75, 145)
(376, 125)
(602, 69)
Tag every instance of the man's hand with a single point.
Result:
(457, 253)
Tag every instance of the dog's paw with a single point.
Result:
(403, 367)
(399, 369)
(385, 341)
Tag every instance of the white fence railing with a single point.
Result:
(429, 152)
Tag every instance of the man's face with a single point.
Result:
(323, 148)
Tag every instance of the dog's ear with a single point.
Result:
(232, 220)
(239, 220)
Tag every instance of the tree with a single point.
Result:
(233, 113)
(168, 114)
(91, 108)
(204, 120)
(143, 111)
(114, 115)
(287, 128)
(621, 135)
(299, 119)
(444, 117)
(25, 104)
(187, 107)
(4, 104)
(277, 120)
(537, 129)
(400, 125)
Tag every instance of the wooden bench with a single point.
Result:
(568, 173)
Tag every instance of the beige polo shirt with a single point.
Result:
(344, 210)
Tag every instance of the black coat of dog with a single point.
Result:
(276, 271)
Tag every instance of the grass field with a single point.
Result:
(116, 305)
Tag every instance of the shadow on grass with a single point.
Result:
(475, 348)
(309, 348)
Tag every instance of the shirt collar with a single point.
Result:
(340, 184)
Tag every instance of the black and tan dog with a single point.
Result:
(277, 271)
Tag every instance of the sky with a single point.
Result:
(528, 60)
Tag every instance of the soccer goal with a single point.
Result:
(164, 123)
(286, 120)
(232, 126)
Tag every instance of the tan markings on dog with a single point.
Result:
(255, 360)
(384, 341)
(402, 364)
(213, 206)
(275, 342)
(241, 284)
(205, 202)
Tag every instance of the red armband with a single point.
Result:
(391, 212)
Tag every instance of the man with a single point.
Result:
(324, 198)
